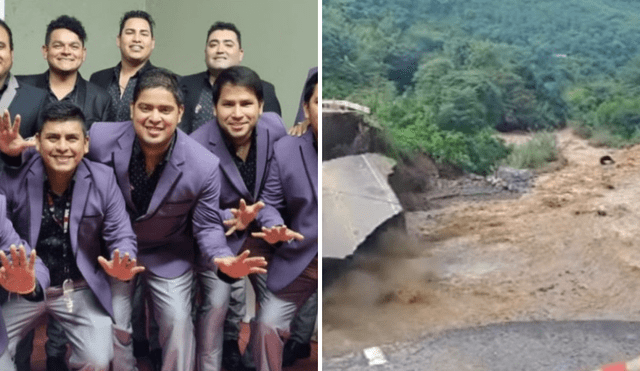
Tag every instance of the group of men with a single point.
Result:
(142, 181)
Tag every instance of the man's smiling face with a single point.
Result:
(65, 51)
(222, 50)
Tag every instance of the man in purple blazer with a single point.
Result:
(71, 210)
(171, 186)
(291, 188)
(242, 137)
(21, 276)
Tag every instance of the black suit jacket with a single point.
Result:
(192, 85)
(28, 103)
(92, 99)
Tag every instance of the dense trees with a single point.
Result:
(446, 72)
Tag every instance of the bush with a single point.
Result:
(535, 153)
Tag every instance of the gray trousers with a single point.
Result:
(304, 322)
(122, 294)
(5, 361)
(88, 327)
(210, 318)
(170, 299)
(273, 320)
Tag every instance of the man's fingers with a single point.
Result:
(104, 263)
(230, 231)
(16, 124)
(22, 254)
(297, 236)
(258, 261)
(116, 257)
(244, 254)
(4, 259)
(14, 255)
(258, 234)
(257, 270)
(229, 222)
(243, 204)
(32, 260)
(137, 269)
(259, 205)
(6, 120)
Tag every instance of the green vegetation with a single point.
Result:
(442, 76)
(535, 153)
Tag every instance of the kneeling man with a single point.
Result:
(71, 211)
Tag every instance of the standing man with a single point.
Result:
(64, 51)
(171, 186)
(292, 188)
(242, 137)
(136, 42)
(71, 210)
(222, 50)
(21, 100)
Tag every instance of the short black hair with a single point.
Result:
(136, 14)
(309, 87)
(4, 25)
(238, 76)
(225, 26)
(70, 23)
(158, 78)
(63, 111)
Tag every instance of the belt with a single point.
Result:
(56, 291)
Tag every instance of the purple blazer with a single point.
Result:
(8, 236)
(269, 129)
(184, 207)
(292, 187)
(98, 218)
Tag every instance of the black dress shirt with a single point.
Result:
(204, 110)
(120, 103)
(54, 243)
(248, 167)
(144, 185)
(71, 97)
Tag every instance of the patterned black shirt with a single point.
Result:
(204, 109)
(54, 243)
(120, 104)
(143, 185)
(71, 97)
(246, 168)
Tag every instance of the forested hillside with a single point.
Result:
(442, 75)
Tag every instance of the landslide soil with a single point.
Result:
(568, 249)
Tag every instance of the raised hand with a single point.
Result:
(278, 234)
(298, 129)
(123, 269)
(19, 274)
(242, 216)
(241, 265)
(11, 142)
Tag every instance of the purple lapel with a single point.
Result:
(169, 176)
(35, 189)
(78, 201)
(227, 165)
(262, 150)
(310, 160)
(121, 158)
